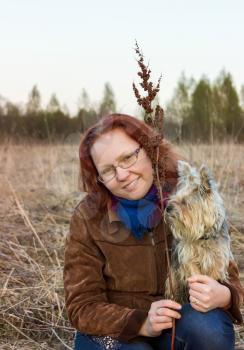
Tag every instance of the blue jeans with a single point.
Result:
(194, 331)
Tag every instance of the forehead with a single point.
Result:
(111, 145)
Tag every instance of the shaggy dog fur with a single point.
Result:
(197, 219)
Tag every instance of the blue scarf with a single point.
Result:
(141, 215)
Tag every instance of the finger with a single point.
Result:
(196, 295)
(200, 287)
(198, 304)
(161, 326)
(160, 319)
(168, 303)
(199, 278)
(194, 301)
(168, 325)
(204, 303)
(168, 312)
(198, 307)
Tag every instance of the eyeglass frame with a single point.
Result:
(136, 152)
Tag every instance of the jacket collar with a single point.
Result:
(114, 222)
(112, 216)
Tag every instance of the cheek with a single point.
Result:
(146, 168)
(111, 187)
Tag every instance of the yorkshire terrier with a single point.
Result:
(197, 218)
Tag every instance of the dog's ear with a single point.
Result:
(184, 168)
(206, 178)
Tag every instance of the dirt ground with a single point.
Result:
(38, 193)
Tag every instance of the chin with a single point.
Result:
(136, 194)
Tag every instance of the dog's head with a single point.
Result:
(196, 209)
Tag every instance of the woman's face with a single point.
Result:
(131, 183)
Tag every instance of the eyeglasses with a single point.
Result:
(126, 162)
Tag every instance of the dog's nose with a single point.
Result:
(169, 208)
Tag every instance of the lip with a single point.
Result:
(133, 181)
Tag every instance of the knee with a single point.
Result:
(214, 328)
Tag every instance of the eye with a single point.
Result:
(129, 156)
(106, 171)
(183, 201)
(127, 160)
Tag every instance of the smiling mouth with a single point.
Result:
(131, 183)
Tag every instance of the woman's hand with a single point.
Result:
(160, 316)
(207, 294)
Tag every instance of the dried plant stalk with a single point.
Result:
(153, 116)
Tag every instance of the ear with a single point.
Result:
(184, 168)
(206, 178)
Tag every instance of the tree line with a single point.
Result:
(198, 111)
(204, 111)
(53, 122)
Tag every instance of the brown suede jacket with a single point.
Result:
(111, 279)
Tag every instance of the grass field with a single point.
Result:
(39, 189)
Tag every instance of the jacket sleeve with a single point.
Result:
(237, 293)
(85, 289)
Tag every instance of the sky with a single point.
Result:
(63, 46)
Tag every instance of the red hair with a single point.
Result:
(138, 130)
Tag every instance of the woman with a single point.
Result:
(115, 258)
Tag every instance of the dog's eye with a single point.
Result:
(183, 201)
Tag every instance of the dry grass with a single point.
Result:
(38, 192)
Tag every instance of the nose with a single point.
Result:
(122, 174)
(169, 208)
